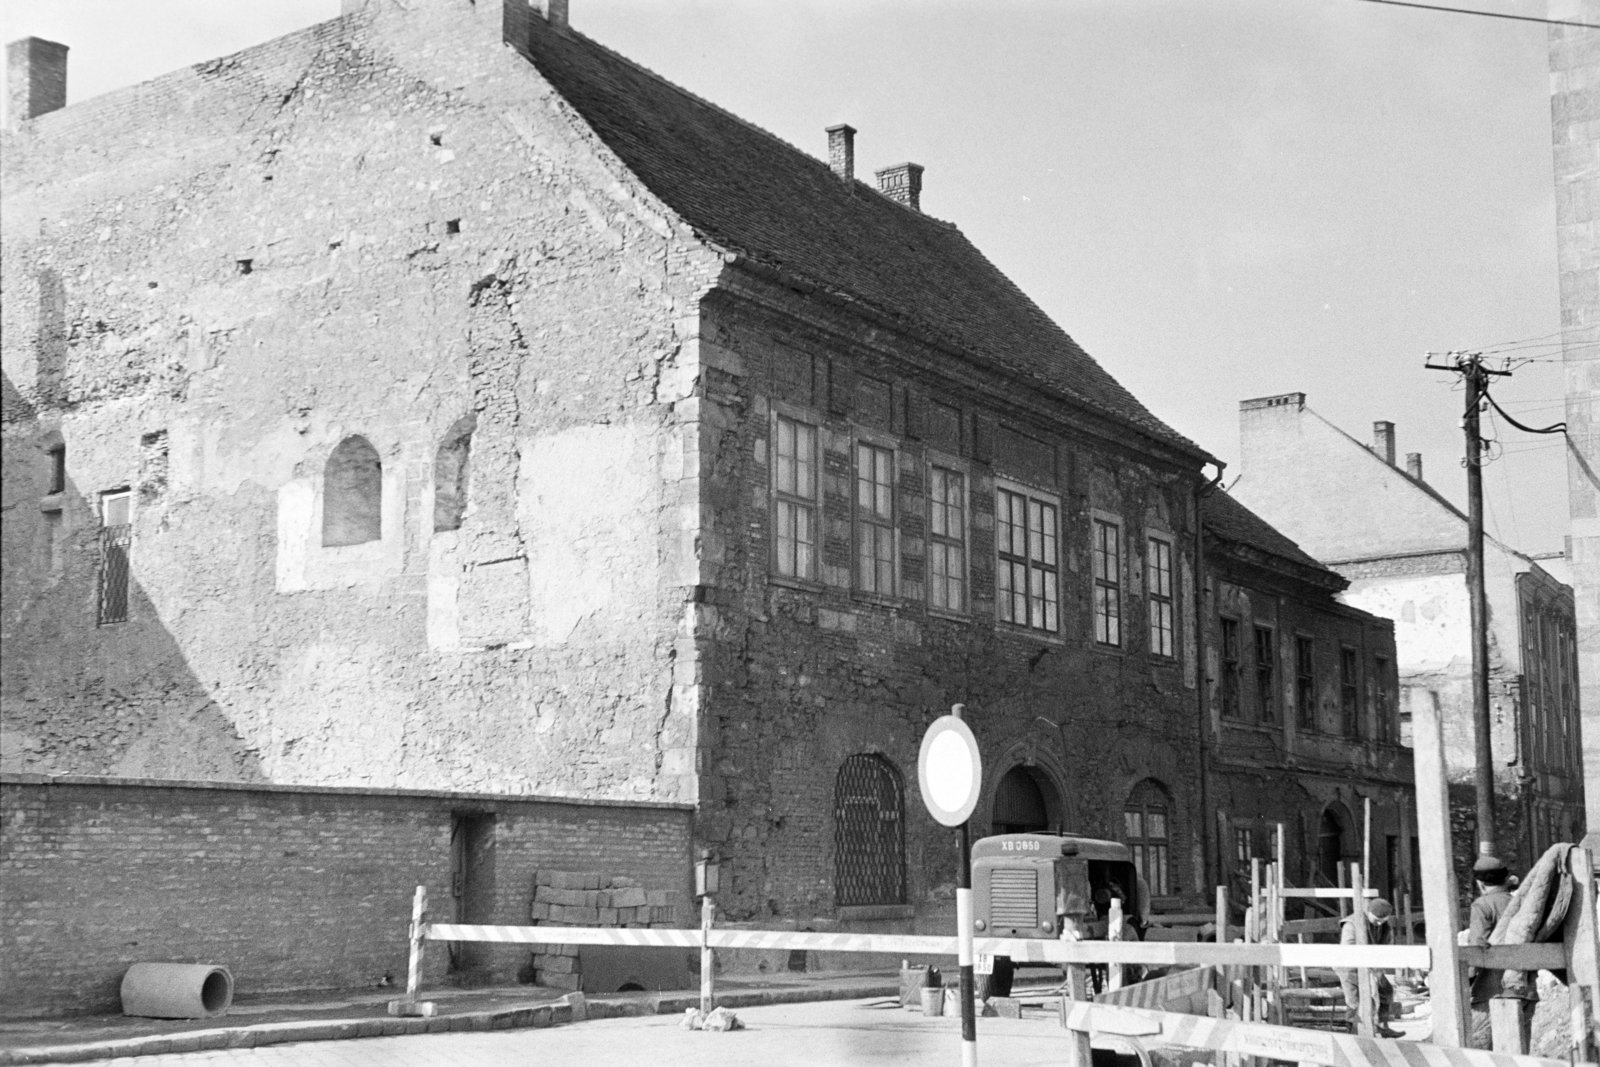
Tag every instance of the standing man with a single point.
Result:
(1494, 897)
(1378, 914)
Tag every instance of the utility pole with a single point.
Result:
(1476, 376)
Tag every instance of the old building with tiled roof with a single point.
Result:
(431, 419)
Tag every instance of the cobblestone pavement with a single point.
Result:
(854, 1032)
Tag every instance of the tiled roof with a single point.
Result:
(748, 192)
(1230, 520)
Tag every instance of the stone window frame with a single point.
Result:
(1155, 601)
(1050, 585)
(1099, 521)
(888, 525)
(938, 460)
(1305, 681)
(803, 505)
(1266, 672)
(1230, 700)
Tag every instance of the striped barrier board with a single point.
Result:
(1146, 953)
(1176, 992)
(1281, 1042)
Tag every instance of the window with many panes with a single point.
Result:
(1305, 683)
(1027, 544)
(794, 484)
(947, 539)
(1349, 693)
(1106, 553)
(1266, 692)
(1230, 668)
(116, 541)
(1163, 620)
(874, 519)
(1144, 826)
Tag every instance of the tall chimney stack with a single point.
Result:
(902, 183)
(1383, 441)
(36, 79)
(1414, 465)
(842, 150)
(555, 13)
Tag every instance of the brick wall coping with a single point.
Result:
(20, 778)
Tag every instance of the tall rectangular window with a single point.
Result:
(116, 538)
(874, 519)
(1162, 618)
(947, 540)
(1026, 537)
(1305, 683)
(58, 470)
(1107, 560)
(795, 494)
(1349, 693)
(1384, 710)
(1230, 668)
(1266, 687)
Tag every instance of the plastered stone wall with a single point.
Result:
(798, 676)
(291, 888)
(379, 226)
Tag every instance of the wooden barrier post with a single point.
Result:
(1411, 931)
(1358, 923)
(1114, 933)
(708, 960)
(1076, 989)
(1222, 915)
(1579, 940)
(1440, 902)
(410, 1004)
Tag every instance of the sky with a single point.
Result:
(1218, 199)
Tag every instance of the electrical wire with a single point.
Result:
(1558, 427)
(1487, 14)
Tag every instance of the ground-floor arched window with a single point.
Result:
(1145, 829)
(869, 838)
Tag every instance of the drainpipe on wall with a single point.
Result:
(1208, 843)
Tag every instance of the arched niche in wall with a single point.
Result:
(352, 494)
(1147, 830)
(1026, 801)
(1332, 834)
(452, 470)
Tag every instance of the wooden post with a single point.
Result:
(1505, 1026)
(1078, 1051)
(708, 960)
(409, 1004)
(1583, 957)
(1441, 902)
(1366, 840)
(1114, 933)
(1358, 922)
(1344, 883)
(1222, 915)
(1253, 930)
(1411, 930)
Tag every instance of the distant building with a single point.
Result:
(1402, 546)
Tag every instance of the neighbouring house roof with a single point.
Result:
(1230, 521)
(751, 193)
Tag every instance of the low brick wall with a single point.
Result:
(292, 888)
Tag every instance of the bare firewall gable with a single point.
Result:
(382, 226)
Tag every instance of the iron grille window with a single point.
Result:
(116, 539)
(868, 833)
(795, 492)
(1107, 553)
(1230, 668)
(874, 519)
(1305, 683)
(1144, 824)
(1349, 693)
(1266, 701)
(1162, 618)
(947, 540)
(1385, 708)
(1027, 547)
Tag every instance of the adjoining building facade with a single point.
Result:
(435, 401)
(1403, 548)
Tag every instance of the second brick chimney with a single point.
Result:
(903, 184)
(1414, 465)
(36, 79)
(842, 150)
(1383, 441)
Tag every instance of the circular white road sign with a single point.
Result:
(949, 770)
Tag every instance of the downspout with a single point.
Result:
(1209, 845)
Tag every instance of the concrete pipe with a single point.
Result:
(176, 990)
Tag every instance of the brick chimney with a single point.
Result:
(36, 79)
(842, 150)
(902, 183)
(1414, 465)
(555, 13)
(1383, 441)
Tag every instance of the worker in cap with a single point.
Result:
(1378, 917)
(1494, 897)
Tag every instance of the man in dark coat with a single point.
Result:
(1494, 897)
(1378, 914)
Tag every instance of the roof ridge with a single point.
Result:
(1404, 476)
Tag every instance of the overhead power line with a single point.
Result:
(1488, 14)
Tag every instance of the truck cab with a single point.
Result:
(1032, 885)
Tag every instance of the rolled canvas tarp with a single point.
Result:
(176, 990)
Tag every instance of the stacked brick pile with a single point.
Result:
(588, 898)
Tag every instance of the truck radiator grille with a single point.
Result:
(1014, 897)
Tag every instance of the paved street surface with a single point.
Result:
(866, 1032)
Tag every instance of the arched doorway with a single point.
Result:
(1330, 846)
(1025, 802)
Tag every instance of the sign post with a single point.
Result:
(950, 774)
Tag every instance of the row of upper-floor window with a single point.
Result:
(1027, 553)
(1264, 697)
